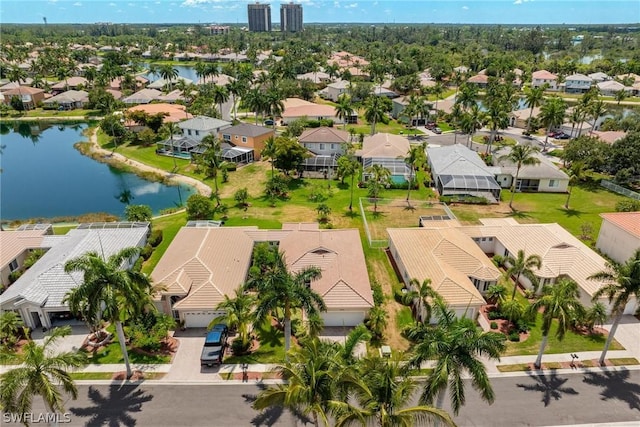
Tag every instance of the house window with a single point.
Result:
(197, 133)
(226, 137)
(189, 131)
(322, 146)
(244, 139)
(235, 136)
(13, 266)
(333, 146)
(553, 183)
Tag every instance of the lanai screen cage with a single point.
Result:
(468, 184)
(230, 153)
(320, 163)
(400, 171)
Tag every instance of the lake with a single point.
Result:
(183, 71)
(44, 176)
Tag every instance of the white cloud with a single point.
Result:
(77, 4)
(130, 4)
(351, 6)
(465, 7)
(196, 3)
(112, 4)
(336, 5)
(53, 1)
(517, 2)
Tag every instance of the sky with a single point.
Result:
(326, 11)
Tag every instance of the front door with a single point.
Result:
(35, 318)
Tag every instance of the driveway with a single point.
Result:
(339, 334)
(628, 334)
(186, 362)
(71, 342)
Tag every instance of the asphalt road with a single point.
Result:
(520, 401)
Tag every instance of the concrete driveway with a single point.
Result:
(71, 342)
(628, 334)
(186, 362)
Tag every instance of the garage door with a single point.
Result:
(200, 319)
(343, 318)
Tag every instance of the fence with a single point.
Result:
(620, 190)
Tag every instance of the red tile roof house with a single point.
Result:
(542, 77)
(203, 264)
(324, 141)
(72, 83)
(30, 96)
(619, 235)
(311, 111)
(68, 100)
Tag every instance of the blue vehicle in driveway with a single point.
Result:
(214, 344)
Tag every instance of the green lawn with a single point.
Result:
(271, 348)
(63, 229)
(392, 127)
(112, 354)
(39, 112)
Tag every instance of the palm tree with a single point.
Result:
(274, 104)
(552, 114)
(344, 110)
(41, 373)
(496, 294)
(211, 158)
(497, 118)
(561, 302)
(597, 110)
(171, 128)
(382, 400)
(513, 310)
(313, 375)
(376, 108)
(201, 70)
(520, 155)
(349, 166)
(238, 314)
(379, 178)
(457, 346)
(17, 75)
(415, 159)
(622, 284)
(10, 325)
(620, 95)
(420, 296)
(168, 73)
(255, 100)
(269, 152)
(437, 90)
(533, 98)
(575, 175)
(472, 121)
(220, 96)
(280, 289)
(523, 265)
(109, 290)
(236, 88)
(63, 73)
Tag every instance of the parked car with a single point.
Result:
(562, 135)
(436, 130)
(213, 349)
(430, 125)
(269, 122)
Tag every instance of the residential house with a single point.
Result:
(143, 96)
(298, 109)
(116, 83)
(245, 136)
(387, 150)
(610, 87)
(542, 177)
(519, 118)
(317, 77)
(480, 80)
(609, 136)
(161, 83)
(619, 235)
(324, 141)
(542, 77)
(447, 253)
(335, 89)
(577, 83)
(599, 77)
(15, 85)
(399, 105)
(172, 113)
(38, 295)
(379, 90)
(202, 265)
(30, 96)
(72, 83)
(17, 246)
(201, 126)
(69, 100)
(459, 171)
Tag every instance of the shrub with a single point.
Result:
(494, 325)
(238, 347)
(318, 194)
(378, 294)
(138, 213)
(146, 252)
(514, 336)
(148, 330)
(15, 275)
(495, 314)
(199, 207)
(156, 238)
(34, 256)
(522, 326)
(225, 175)
(628, 205)
(231, 167)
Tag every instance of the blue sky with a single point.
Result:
(375, 11)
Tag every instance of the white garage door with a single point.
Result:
(200, 319)
(343, 318)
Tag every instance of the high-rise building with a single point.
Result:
(259, 17)
(291, 17)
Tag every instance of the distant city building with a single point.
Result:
(259, 17)
(215, 30)
(291, 17)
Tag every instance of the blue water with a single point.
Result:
(43, 175)
(183, 71)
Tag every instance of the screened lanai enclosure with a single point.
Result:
(320, 163)
(180, 146)
(400, 171)
(230, 153)
(469, 185)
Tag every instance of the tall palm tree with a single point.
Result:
(348, 166)
(274, 104)
(168, 73)
(497, 118)
(383, 399)
(17, 75)
(41, 373)
(561, 302)
(238, 313)
(620, 96)
(109, 290)
(269, 152)
(472, 120)
(575, 175)
(376, 108)
(344, 109)
(437, 90)
(523, 265)
(416, 158)
(211, 158)
(622, 284)
(520, 155)
(236, 88)
(596, 110)
(552, 114)
(63, 73)
(280, 289)
(467, 96)
(533, 98)
(255, 100)
(201, 70)
(10, 325)
(220, 96)
(172, 128)
(420, 297)
(378, 180)
(457, 345)
(313, 375)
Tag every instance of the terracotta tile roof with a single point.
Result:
(628, 221)
(176, 112)
(479, 79)
(324, 134)
(609, 136)
(543, 75)
(313, 110)
(23, 90)
(384, 145)
(13, 243)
